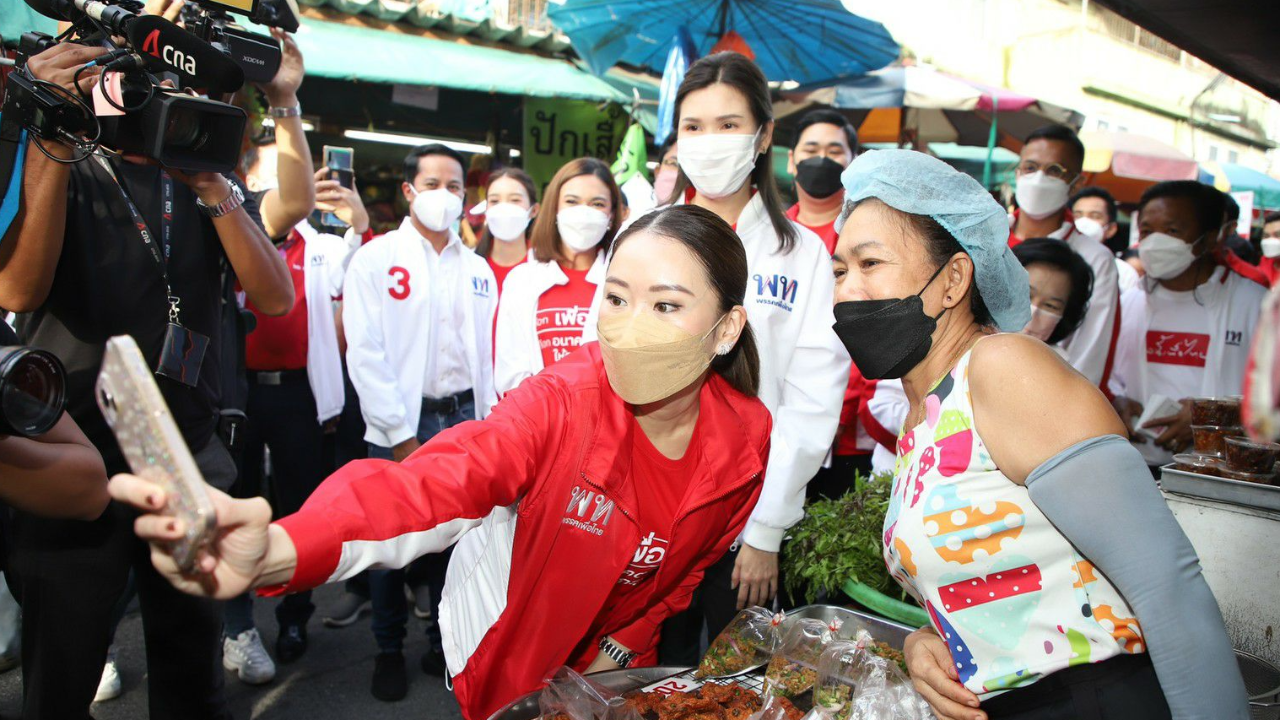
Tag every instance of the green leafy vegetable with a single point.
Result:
(841, 540)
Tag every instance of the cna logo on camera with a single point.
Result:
(168, 53)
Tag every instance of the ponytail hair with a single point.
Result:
(723, 259)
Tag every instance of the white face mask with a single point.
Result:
(1039, 195)
(1090, 228)
(506, 221)
(1165, 256)
(437, 209)
(581, 227)
(718, 163)
(1271, 247)
(1043, 323)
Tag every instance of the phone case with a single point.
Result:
(152, 445)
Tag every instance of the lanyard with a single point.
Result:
(159, 253)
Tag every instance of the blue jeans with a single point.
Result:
(386, 587)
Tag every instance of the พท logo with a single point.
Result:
(777, 290)
(588, 510)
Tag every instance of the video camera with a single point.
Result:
(167, 124)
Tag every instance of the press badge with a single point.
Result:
(182, 354)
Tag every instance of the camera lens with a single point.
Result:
(32, 391)
(185, 129)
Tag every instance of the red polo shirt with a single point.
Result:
(827, 232)
(280, 343)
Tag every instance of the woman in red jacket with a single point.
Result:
(601, 488)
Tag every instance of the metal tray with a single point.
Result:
(624, 681)
(1208, 487)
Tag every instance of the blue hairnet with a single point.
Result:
(920, 184)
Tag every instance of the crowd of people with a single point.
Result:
(610, 420)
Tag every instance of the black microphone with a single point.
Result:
(166, 46)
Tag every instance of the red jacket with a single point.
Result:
(549, 474)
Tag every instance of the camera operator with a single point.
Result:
(102, 258)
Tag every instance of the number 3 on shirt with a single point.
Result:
(401, 291)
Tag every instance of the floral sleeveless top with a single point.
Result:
(1008, 593)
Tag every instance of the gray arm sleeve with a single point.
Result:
(1100, 496)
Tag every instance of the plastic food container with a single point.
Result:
(1247, 456)
(1266, 478)
(1199, 464)
(1212, 439)
(1222, 411)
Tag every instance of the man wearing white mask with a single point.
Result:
(1095, 213)
(1050, 166)
(1188, 327)
(546, 301)
(418, 312)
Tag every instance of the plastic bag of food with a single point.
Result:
(746, 642)
(794, 667)
(856, 681)
(881, 690)
(570, 696)
(833, 694)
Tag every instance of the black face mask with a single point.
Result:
(887, 338)
(819, 176)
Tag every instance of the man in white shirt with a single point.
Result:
(1187, 331)
(1096, 216)
(1050, 167)
(418, 313)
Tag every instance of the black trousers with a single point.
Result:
(714, 606)
(67, 575)
(833, 482)
(281, 415)
(1124, 687)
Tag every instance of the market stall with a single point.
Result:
(1225, 496)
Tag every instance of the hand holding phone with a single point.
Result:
(340, 162)
(151, 443)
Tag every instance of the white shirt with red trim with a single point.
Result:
(1186, 344)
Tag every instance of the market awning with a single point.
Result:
(348, 52)
(1229, 177)
(1237, 36)
(1126, 164)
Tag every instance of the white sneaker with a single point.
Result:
(246, 657)
(109, 685)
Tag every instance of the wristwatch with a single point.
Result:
(233, 201)
(615, 653)
(286, 112)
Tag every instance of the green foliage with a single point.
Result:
(841, 540)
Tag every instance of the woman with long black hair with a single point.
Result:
(602, 488)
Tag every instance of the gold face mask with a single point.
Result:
(647, 359)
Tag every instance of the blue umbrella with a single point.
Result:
(808, 41)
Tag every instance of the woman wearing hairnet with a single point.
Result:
(1057, 581)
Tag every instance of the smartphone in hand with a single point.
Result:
(153, 446)
(341, 164)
